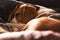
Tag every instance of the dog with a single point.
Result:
(19, 12)
(7, 7)
(27, 11)
(24, 13)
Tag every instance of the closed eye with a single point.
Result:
(17, 14)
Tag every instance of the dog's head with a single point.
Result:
(12, 14)
(25, 13)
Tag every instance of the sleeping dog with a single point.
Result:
(6, 8)
(26, 12)
(20, 12)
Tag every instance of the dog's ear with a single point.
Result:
(12, 14)
(25, 13)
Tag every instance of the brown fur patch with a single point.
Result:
(44, 23)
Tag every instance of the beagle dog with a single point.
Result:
(26, 12)
(20, 12)
(7, 8)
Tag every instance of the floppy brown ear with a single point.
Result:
(11, 15)
(14, 11)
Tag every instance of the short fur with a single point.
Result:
(27, 11)
(44, 23)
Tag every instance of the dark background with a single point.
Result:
(55, 4)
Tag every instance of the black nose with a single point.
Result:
(56, 16)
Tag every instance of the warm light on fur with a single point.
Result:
(26, 12)
(44, 11)
(43, 23)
